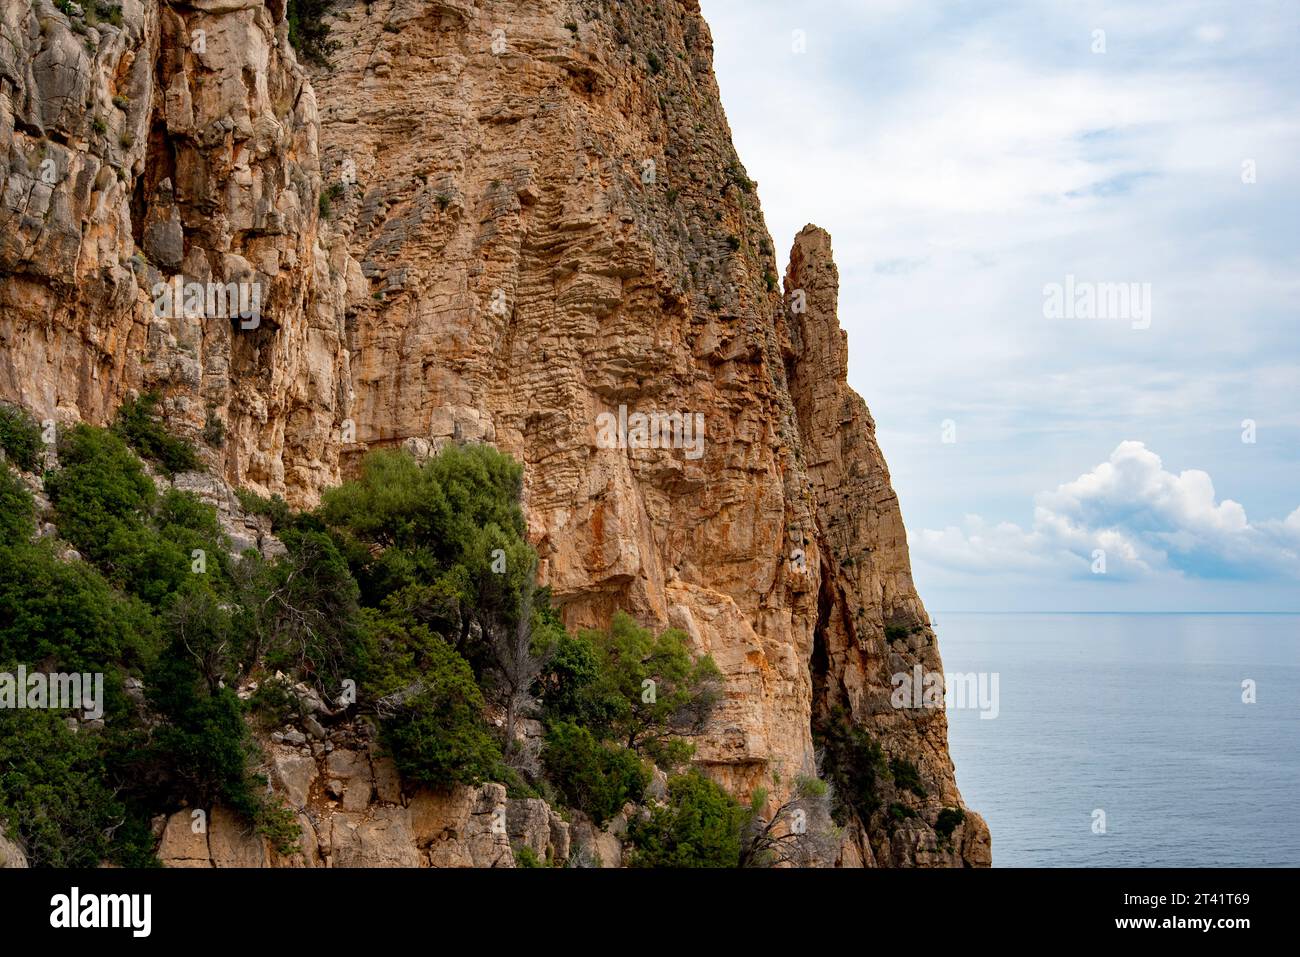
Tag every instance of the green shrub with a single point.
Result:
(700, 827)
(328, 197)
(99, 486)
(275, 508)
(108, 508)
(108, 11)
(900, 812)
(852, 763)
(278, 823)
(526, 857)
(66, 614)
(947, 822)
(737, 176)
(896, 632)
(17, 518)
(906, 776)
(57, 794)
(273, 705)
(214, 430)
(596, 778)
(138, 423)
(20, 437)
(307, 31)
(437, 737)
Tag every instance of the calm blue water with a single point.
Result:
(1141, 716)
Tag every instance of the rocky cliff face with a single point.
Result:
(181, 140)
(534, 217)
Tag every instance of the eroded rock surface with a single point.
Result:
(181, 143)
(533, 215)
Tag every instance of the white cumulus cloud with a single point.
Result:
(1148, 521)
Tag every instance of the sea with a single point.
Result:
(1131, 740)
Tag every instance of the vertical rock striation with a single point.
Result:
(533, 216)
(180, 142)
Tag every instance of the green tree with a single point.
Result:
(308, 31)
(17, 521)
(597, 778)
(571, 687)
(439, 543)
(699, 827)
(799, 831)
(658, 691)
(434, 723)
(300, 613)
(20, 436)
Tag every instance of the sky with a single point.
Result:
(1068, 238)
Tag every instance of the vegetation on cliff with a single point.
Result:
(412, 583)
(308, 31)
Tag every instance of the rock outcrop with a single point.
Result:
(352, 811)
(11, 855)
(533, 219)
(180, 142)
(871, 624)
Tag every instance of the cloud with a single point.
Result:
(1148, 522)
(965, 155)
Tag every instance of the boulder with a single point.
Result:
(293, 774)
(182, 845)
(11, 854)
(382, 839)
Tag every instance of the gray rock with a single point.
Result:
(528, 821)
(294, 775)
(11, 854)
(164, 240)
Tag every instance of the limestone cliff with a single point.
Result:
(182, 139)
(533, 216)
